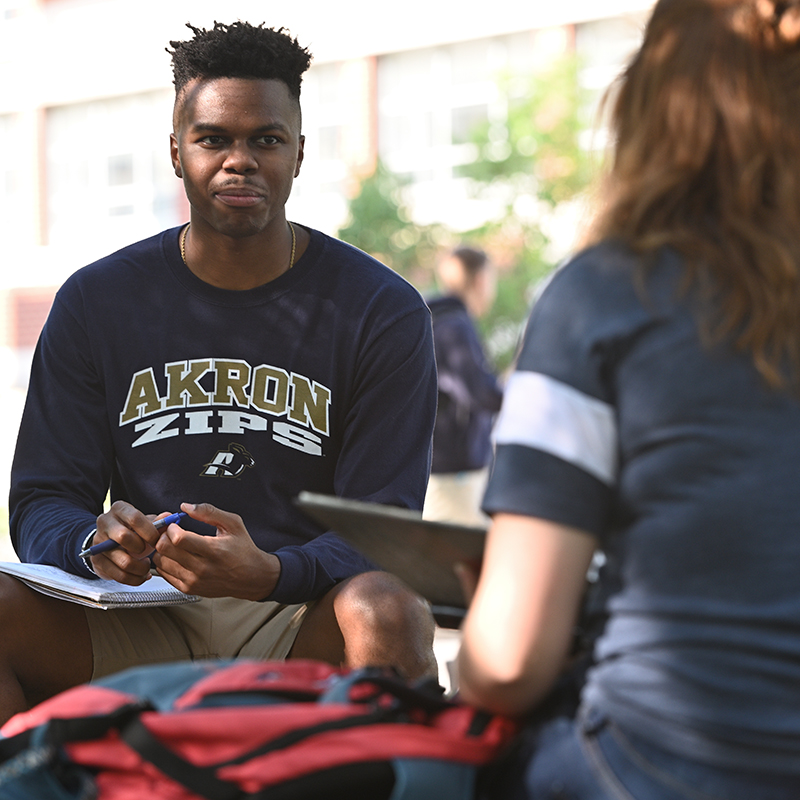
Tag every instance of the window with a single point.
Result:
(604, 47)
(109, 172)
(431, 102)
(120, 170)
(338, 124)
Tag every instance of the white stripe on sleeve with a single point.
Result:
(548, 415)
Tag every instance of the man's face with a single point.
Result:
(237, 146)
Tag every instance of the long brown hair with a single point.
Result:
(706, 158)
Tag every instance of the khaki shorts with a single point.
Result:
(220, 627)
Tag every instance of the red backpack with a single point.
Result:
(248, 730)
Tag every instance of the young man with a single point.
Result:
(226, 364)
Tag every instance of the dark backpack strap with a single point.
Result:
(34, 765)
(200, 780)
(58, 731)
(203, 780)
(14, 744)
(426, 695)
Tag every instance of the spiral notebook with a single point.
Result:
(96, 593)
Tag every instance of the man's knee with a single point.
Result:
(381, 600)
(384, 622)
(372, 619)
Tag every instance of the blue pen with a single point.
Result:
(110, 544)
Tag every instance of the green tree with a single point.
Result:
(531, 162)
(535, 151)
(380, 223)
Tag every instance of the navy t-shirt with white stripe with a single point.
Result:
(684, 464)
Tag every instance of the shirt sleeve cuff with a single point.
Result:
(86, 542)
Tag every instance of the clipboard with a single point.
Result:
(420, 552)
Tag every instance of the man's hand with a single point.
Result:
(226, 565)
(136, 536)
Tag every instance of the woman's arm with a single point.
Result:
(519, 627)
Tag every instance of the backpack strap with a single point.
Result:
(200, 780)
(33, 765)
(12, 745)
(203, 780)
(60, 730)
(427, 694)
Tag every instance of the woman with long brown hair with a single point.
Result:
(654, 414)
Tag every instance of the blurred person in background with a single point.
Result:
(469, 393)
(655, 413)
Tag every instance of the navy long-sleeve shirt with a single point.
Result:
(153, 384)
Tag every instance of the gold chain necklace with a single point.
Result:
(183, 243)
(186, 230)
(294, 245)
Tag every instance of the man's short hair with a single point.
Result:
(239, 50)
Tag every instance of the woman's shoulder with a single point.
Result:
(610, 273)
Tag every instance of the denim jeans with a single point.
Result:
(592, 759)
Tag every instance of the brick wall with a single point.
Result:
(28, 310)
